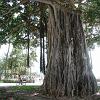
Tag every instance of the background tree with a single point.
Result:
(19, 27)
(16, 62)
(91, 20)
(26, 14)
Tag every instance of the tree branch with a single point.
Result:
(43, 1)
(10, 10)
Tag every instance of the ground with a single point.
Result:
(7, 94)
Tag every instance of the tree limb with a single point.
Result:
(50, 2)
(43, 1)
(10, 10)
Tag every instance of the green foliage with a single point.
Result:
(1, 81)
(1, 67)
(15, 28)
(91, 19)
(92, 12)
(16, 62)
(15, 22)
(20, 27)
(17, 18)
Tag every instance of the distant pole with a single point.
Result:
(7, 58)
(28, 47)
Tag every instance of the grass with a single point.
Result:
(7, 81)
(18, 92)
(32, 89)
(25, 88)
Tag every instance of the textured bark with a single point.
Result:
(69, 72)
(42, 42)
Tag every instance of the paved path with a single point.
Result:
(17, 84)
(27, 84)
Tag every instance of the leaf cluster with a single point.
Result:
(16, 21)
(18, 17)
(91, 20)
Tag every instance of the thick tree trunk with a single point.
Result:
(69, 72)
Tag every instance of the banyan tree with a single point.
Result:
(69, 72)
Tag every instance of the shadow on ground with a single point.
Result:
(6, 94)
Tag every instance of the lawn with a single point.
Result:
(24, 88)
(25, 93)
(17, 92)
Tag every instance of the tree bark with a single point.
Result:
(69, 72)
(42, 42)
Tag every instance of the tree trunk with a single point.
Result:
(69, 72)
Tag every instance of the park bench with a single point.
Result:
(23, 81)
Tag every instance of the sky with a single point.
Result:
(4, 49)
(95, 54)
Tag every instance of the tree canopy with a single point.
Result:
(19, 16)
(23, 21)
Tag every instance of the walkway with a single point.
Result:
(27, 84)
(17, 84)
